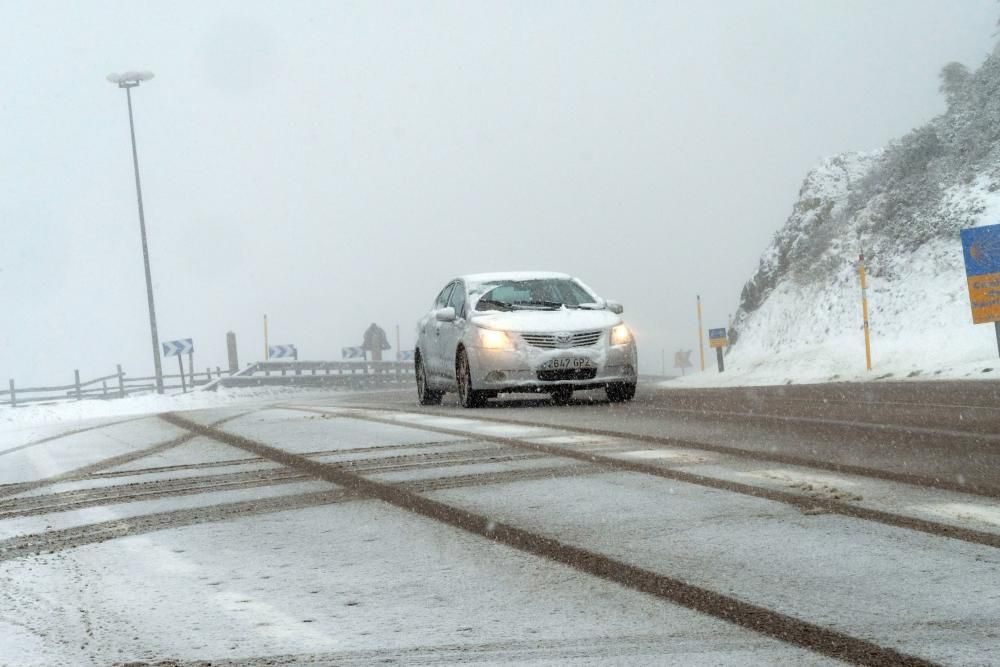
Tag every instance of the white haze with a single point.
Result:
(334, 164)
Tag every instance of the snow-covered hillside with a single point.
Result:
(800, 317)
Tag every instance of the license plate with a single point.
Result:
(564, 363)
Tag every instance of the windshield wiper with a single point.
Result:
(543, 304)
(499, 305)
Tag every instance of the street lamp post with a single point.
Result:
(128, 81)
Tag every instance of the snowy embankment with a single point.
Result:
(800, 315)
(804, 321)
(920, 329)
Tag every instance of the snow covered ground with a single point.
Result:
(337, 581)
(197, 550)
(31, 422)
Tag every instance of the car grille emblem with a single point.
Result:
(564, 339)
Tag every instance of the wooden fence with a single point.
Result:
(270, 373)
(117, 385)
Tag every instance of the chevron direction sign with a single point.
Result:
(352, 352)
(282, 351)
(406, 355)
(175, 348)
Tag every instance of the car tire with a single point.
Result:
(562, 395)
(467, 395)
(620, 392)
(425, 395)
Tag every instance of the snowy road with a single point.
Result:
(359, 529)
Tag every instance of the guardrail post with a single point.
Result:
(121, 382)
(76, 382)
(104, 387)
(208, 374)
(13, 396)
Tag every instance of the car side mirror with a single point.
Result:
(614, 307)
(446, 314)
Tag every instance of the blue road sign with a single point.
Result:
(352, 352)
(717, 338)
(406, 355)
(981, 247)
(173, 348)
(282, 351)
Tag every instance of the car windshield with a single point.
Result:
(540, 294)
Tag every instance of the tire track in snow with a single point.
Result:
(122, 493)
(768, 622)
(737, 452)
(104, 464)
(813, 504)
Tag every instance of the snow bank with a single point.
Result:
(73, 411)
(804, 319)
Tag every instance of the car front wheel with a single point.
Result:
(425, 395)
(467, 396)
(562, 395)
(619, 392)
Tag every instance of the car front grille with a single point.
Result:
(568, 374)
(560, 341)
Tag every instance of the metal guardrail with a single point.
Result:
(319, 374)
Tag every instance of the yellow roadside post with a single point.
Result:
(864, 309)
(701, 335)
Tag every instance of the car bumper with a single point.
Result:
(518, 371)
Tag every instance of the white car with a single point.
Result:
(522, 332)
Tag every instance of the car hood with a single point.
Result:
(547, 321)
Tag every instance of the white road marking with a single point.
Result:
(964, 511)
(662, 454)
(796, 477)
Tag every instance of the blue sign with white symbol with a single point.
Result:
(282, 351)
(981, 246)
(406, 355)
(352, 352)
(174, 348)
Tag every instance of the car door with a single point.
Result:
(430, 334)
(450, 333)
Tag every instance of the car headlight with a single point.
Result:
(620, 335)
(494, 340)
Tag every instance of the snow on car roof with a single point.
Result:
(513, 275)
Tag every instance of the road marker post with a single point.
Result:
(701, 338)
(282, 352)
(682, 360)
(234, 361)
(177, 348)
(267, 354)
(717, 338)
(864, 308)
(981, 250)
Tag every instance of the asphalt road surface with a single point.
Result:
(788, 525)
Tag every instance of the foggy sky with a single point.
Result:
(335, 164)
